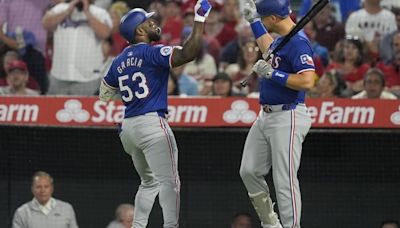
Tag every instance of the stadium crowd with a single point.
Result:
(64, 47)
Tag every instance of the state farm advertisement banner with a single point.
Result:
(194, 112)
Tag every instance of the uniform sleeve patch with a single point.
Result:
(306, 59)
(165, 51)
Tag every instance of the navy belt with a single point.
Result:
(160, 113)
(278, 108)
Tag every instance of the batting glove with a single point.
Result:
(249, 10)
(201, 10)
(263, 69)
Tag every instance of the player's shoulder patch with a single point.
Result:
(306, 59)
(166, 50)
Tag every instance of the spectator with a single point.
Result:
(351, 66)
(214, 25)
(187, 84)
(327, 30)
(80, 27)
(242, 220)
(344, 7)
(371, 23)
(23, 42)
(247, 57)
(336, 56)
(188, 17)
(173, 25)
(374, 83)
(212, 45)
(330, 85)
(17, 78)
(124, 215)
(387, 46)
(230, 52)
(173, 85)
(9, 57)
(202, 68)
(230, 16)
(392, 74)
(20, 14)
(44, 210)
(222, 86)
(158, 7)
(116, 11)
(390, 224)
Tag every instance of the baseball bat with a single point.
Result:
(303, 21)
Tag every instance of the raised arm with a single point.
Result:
(263, 38)
(51, 20)
(102, 30)
(195, 42)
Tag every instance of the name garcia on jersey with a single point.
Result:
(129, 62)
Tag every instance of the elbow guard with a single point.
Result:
(106, 92)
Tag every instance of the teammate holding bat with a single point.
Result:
(140, 73)
(276, 137)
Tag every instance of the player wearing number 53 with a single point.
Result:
(140, 73)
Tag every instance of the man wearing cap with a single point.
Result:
(17, 78)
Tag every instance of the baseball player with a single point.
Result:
(276, 137)
(140, 73)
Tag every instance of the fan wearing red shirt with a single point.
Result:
(351, 66)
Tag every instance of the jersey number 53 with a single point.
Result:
(142, 84)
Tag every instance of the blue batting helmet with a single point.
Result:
(273, 7)
(131, 21)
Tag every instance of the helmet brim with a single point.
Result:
(149, 15)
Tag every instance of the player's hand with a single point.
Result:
(263, 69)
(201, 10)
(249, 10)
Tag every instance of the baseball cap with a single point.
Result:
(17, 65)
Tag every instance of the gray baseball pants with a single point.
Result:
(149, 140)
(275, 140)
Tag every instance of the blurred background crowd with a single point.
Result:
(64, 47)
